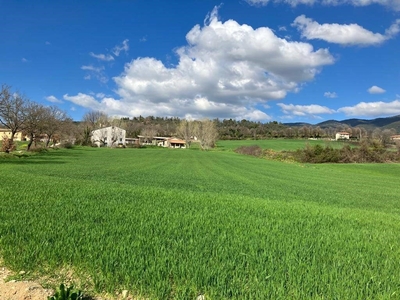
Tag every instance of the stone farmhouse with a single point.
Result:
(111, 136)
(166, 142)
(342, 135)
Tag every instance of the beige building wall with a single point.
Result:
(17, 137)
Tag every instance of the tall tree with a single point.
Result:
(12, 110)
(148, 132)
(206, 133)
(34, 121)
(53, 121)
(92, 120)
(185, 131)
(96, 119)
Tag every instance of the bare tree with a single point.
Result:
(96, 119)
(386, 136)
(377, 134)
(206, 132)
(148, 132)
(34, 121)
(185, 131)
(92, 120)
(69, 131)
(53, 121)
(12, 110)
(359, 132)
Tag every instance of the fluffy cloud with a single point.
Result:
(226, 70)
(53, 99)
(372, 109)
(305, 110)
(376, 90)
(103, 57)
(392, 4)
(84, 101)
(119, 48)
(348, 34)
(330, 95)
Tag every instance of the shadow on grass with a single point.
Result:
(30, 161)
(45, 157)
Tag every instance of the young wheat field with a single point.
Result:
(175, 224)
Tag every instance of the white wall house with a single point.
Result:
(395, 137)
(111, 136)
(342, 135)
(166, 142)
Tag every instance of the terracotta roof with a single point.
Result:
(177, 141)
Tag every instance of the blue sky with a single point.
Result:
(263, 60)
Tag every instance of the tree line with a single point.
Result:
(19, 114)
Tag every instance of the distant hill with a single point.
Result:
(383, 123)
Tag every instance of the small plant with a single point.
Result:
(68, 293)
(7, 145)
(67, 145)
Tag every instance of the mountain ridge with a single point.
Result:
(382, 123)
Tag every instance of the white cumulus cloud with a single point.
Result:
(347, 34)
(84, 100)
(376, 90)
(372, 109)
(225, 66)
(226, 70)
(312, 110)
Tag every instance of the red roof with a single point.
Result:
(177, 141)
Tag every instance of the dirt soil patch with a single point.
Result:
(32, 290)
(20, 290)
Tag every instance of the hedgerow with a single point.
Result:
(365, 152)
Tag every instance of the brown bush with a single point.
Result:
(7, 145)
(250, 150)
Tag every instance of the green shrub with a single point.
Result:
(67, 145)
(68, 293)
(365, 153)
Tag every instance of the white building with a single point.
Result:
(342, 135)
(111, 136)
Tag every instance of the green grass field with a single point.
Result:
(277, 144)
(173, 224)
